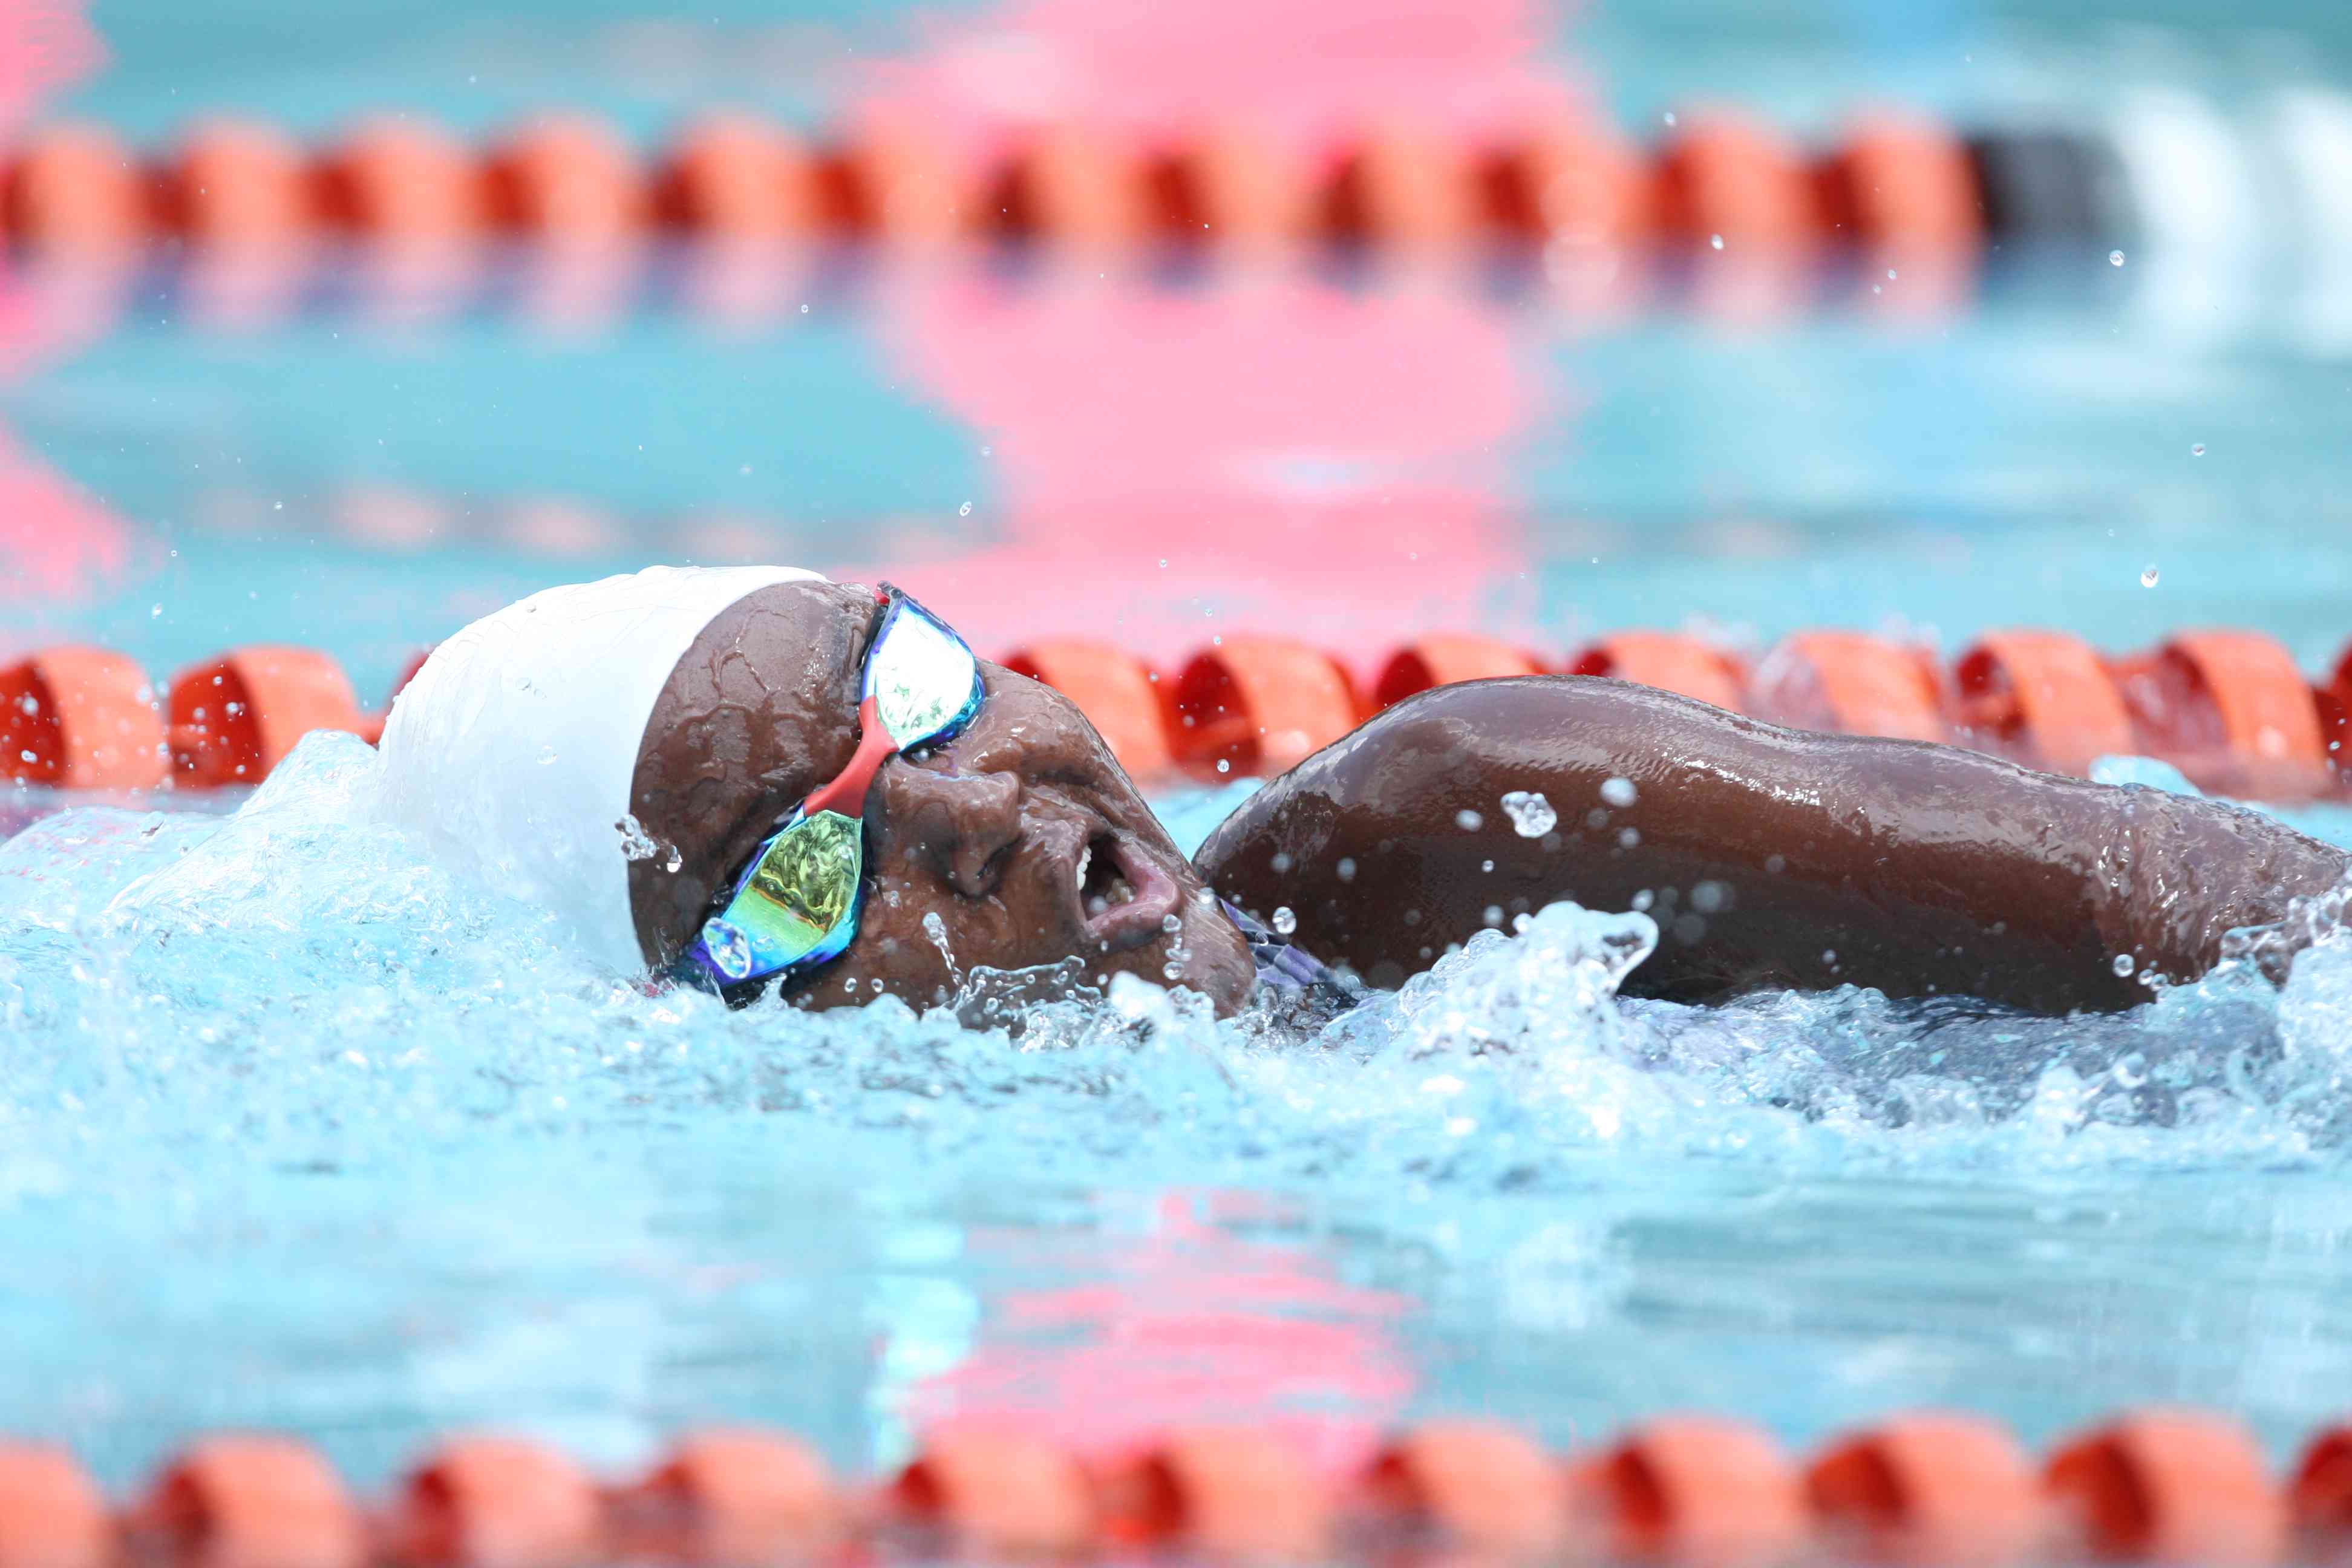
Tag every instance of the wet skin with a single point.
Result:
(1023, 835)
(1770, 857)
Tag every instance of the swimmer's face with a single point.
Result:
(1019, 843)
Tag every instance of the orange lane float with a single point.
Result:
(729, 1496)
(1118, 695)
(1071, 187)
(1928, 1489)
(1230, 190)
(83, 719)
(2173, 1487)
(1571, 184)
(996, 1492)
(1850, 683)
(52, 1514)
(235, 184)
(1724, 177)
(2230, 710)
(734, 177)
(1443, 659)
(1405, 189)
(567, 178)
(1697, 1490)
(240, 1501)
(1224, 1493)
(1669, 661)
(1477, 1486)
(234, 718)
(1901, 185)
(1258, 705)
(75, 189)
(895, 187)
(496, 1503)
(399, 181)
(2043, 698)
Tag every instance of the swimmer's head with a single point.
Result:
(621, 749)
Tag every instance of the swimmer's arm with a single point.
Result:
(1770, 857)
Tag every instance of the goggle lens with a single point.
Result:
(924, 681)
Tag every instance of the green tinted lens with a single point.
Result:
(922, 679)
(797, 904)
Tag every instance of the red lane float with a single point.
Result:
(1851, 684)
(1697, 1490)
(1227, 1494)
(1670, 662)
(728, 1496)
(1118, 695)
(1444, 659)
(496, 1503)
(1479, 1486)
(51, 1513)
(2175, 1487)
(236, 184)
(253, 1501)
(2321, 1495)
(1259, 704)
(567, 178)
(2230, 710)
(1928, 1489)
(735, 178)
(236, 717)
(996, 1492)
(80, 717)
(2043, 698)
(75, 188)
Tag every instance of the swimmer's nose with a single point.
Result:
(963, 823)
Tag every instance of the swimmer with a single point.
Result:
(756, 781)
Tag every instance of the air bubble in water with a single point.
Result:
(1285, 920)
(964, 510)
(1717, 241)
(2115, 259)
(2197, 448)
(1531, 815)
(1172, 924)
(1468, 821)
(2124, 964)
(2148, 576)
(1618, 791)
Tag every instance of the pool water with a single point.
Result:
(300, 1129)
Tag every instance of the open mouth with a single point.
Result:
(1122, 896)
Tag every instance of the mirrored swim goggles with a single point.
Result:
(795, 905)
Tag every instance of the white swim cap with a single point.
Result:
(517, 743)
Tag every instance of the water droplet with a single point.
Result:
(1618, 791)
(637, 844)
(1531, 815)
(2197, 448)
(964, 510)
(2124, 964)
(2115, 259)
(2148, 576)
(1468, 821)
(1285, 920)
(1717, 241)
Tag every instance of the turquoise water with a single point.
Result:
(299, 1129)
